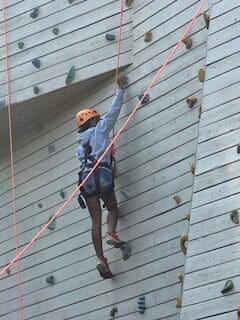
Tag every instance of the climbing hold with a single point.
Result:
(52, 225)
(20, 45)
(8, 271)
(110, 37)
(51, 149)
(180, 277)
(228, 286)
(2, 104)
(191, 102)
(188, 42)
(70, 75)
(37, 63)
(126, 251)
(36, 90)
(178, 302)
(201, 75)
(199, 112)
(234, 216)
(113, 312)
(55, 31)
(206, 17)
(40, 205)
(238, 149)
(177, 199)
(183, 240)
(50, 279)
(70, 1)
(145, 100)
(125, 194)
(128, 3)
(193, 167)
(141, 304)
(148, 36)
(34, 13)
(62, 194)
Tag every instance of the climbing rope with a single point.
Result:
(139, 104)
(19, 289)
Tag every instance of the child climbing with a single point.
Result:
(93, 139)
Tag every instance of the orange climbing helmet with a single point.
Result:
(84, 115)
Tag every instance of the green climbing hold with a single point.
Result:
(20, 45)
(2, 104)
(50, 279)
(52, 225)
(228, 286)
(34, 13)
(234, 216)
(71, 75)
(55, 31)
(36, 90)
(113, 312)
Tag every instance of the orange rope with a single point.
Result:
(19, 289)
(153, 82)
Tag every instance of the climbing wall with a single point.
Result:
(211, 287)
(154, 185)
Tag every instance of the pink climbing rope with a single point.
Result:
(153, 82)
(19, 289)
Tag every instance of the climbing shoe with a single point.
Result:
(103, 268)
(113, 240)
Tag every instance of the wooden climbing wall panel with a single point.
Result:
(213, 249)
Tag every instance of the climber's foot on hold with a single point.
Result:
(113, 240)
(103, 268)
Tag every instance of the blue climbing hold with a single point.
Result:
(110, 37)
(34, 13)
(51, 149)
(145, 100)
(36, 63)
(141, 304)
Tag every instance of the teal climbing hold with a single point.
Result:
(34, 13)
(20, 44)
(50, 279)
(55, 31)
(228, 286)
(2, 104)
(52, 225)
(141, 304)
(70, 75)
(51, 149)
(238, 149)
(36, 63)
(113, 312)
(36, 89)
(110, 37)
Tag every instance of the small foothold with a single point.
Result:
(20, 45)
(206, 17)
(110, 37)
(51, 149)
(201, 75)
(199, 112)
(128, 3)
(8, 271)
(141, 304)
(228, 286)
(126, 251)
(148, 36)
(145, 100)
(178, 302)
(235, 216)
(70, 75)
(36, 63)
(113, 312)
(2, 104)
(52, 225)
(191, 102)
(188, 42)
(177, 199)
(62, 194)
(238, 149)
(193, 168)
(36, 89)
(40, 205)
(50, 279)
(55, 31)
(183, 240)
(70, 1)
(34, 13)
(180, 278)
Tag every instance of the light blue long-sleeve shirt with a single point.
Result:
(98, 137)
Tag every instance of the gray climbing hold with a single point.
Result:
(126, 251)
(141, 304)
(234, 216)
(36, 89)
(51, 149)
(70, 75)
(228, 286)
(62, 194)
(177, 199)
(145, 100)
(2, 104)
(50, 279)
(55, 31)
(40, 205)
(8, 271)
(52, 225)
(206, 18)
(113, 312)
(110, 37)
(70, 1)
(238, 149)
(20, 45)
(36, 63)
(34, 13)
(191, 102)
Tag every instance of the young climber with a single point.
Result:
(93, 139)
